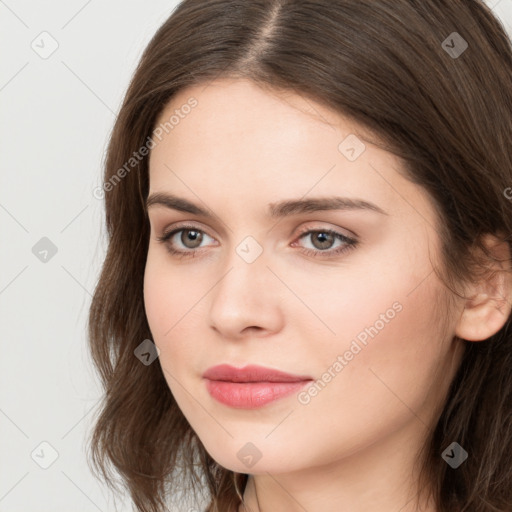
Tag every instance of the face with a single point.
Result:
(345, 296)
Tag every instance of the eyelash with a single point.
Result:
(350, 242)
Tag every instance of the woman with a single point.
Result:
(305, 303)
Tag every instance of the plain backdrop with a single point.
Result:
(64, 69)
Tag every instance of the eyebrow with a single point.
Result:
(275, 210)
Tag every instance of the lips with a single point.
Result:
(251, 387)
(251, 373)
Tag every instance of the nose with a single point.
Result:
(246, 302)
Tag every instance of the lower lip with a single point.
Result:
(251, 395)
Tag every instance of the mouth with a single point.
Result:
(251, 395)
(251, 387)
(251, 373)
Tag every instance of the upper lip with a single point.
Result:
(251, 373)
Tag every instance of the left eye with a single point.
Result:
(325, 239)
(322, 240)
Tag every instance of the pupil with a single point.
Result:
(189, 236)
(324, 239)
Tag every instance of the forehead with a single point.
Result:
(235, 120)
(239, 139)
(239, 108)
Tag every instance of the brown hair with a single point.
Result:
(392, 66)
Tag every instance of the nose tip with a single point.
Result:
(244, 302)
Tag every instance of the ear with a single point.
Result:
(489, 301)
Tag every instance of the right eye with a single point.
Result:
(190, 238)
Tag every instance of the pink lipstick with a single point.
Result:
(252, 386)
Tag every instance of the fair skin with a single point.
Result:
(353, 446)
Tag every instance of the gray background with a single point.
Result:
(57, 112)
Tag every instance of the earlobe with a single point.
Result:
(489, 302)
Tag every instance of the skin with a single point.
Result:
(354, 445)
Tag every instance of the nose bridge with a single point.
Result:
(245, 295)
(247, 272)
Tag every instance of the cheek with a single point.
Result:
(378, 385)
(172, 305)
(167, 290)
(386, 296)
(388, 355)
(169, 300)
(383, 322)
(161, 305)
(156, 297)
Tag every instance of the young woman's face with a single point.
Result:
(346, 297)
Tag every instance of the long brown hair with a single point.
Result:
(396, 68)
